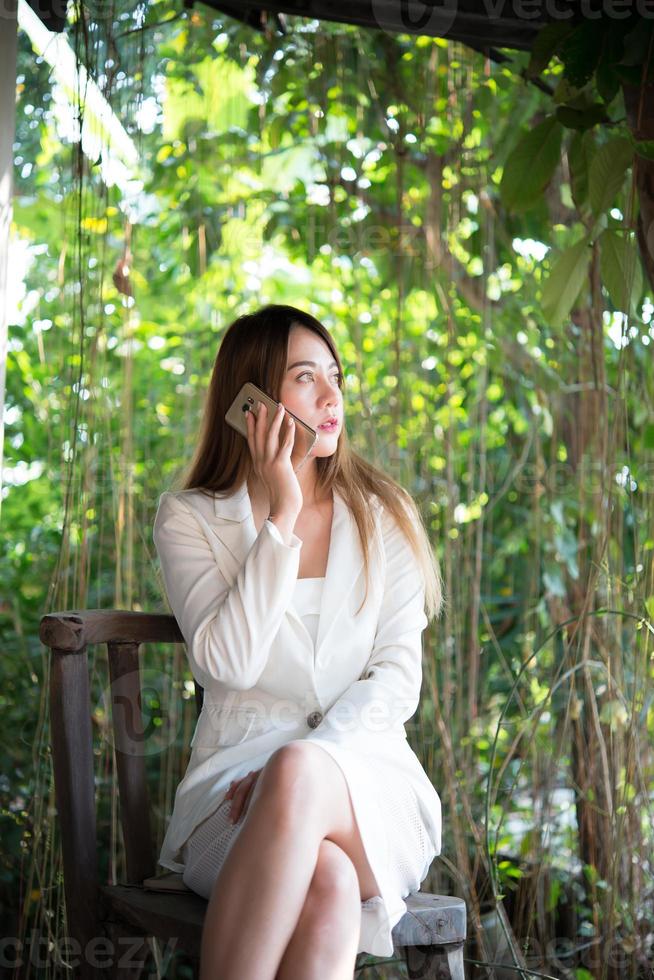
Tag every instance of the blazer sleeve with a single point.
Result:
(388, 692)
(228, 630)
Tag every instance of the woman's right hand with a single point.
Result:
(271, 457)
(240, 791)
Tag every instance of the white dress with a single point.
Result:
(397, 843)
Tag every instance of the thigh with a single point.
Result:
(320, 779)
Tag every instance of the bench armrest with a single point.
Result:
(71, 631)
(68, 635)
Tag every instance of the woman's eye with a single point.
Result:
(337, 377)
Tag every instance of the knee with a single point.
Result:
(289, 778)
(334, 889)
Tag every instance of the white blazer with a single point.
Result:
(231, 591)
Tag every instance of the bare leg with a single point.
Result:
(300, 798)
(324, 944)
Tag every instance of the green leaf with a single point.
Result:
(644, 148)
(566, 93)
(553, 894)
(531, 164)
(553, 580)
(581, 119)
(36, 217)
(276, 131)
(580, 153)
(546, 44)
(580, 52)
(567, 550)
(569, 274)
(290, 165)
(636, 43)
(649, 606)
(607, 82)
(621, 270)
(607, 172)
(196, 101)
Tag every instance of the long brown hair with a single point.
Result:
(255, 348)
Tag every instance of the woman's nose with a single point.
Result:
(330, 398)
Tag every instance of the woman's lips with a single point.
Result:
(329, 427)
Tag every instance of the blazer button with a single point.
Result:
(314, 719)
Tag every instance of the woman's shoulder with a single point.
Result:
(179, 501)
(186, 496)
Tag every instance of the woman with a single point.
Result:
(300, 587)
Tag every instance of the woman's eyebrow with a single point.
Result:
(310, 363)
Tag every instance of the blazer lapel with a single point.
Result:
(238, 533)
(236, 529)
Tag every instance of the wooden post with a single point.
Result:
(130, 760)
(72, 756)
(8, 48)
(435, 962)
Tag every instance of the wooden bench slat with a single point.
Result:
(431, 920)
(166, 916)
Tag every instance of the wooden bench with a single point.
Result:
(108, 925)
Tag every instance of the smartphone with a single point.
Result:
(248, 400)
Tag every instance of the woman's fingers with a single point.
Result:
(271, 448)
(233, 786)
(269, 436)
(262, 424)
(281, 435)
(238, 800)
(246, 801)
(250, 422)
(240, 794)
(272, 436)
(288, 438)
